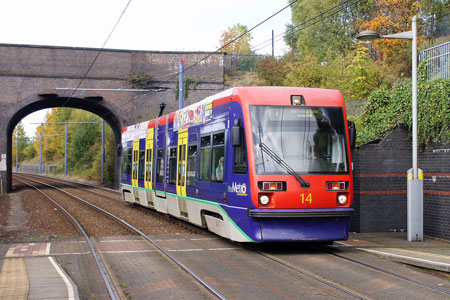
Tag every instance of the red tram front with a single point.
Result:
(299, 163)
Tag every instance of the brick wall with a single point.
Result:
(380, 185)
(28, 71)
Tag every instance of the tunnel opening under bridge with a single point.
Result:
(94, 104)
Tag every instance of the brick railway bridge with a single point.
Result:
(38, 77)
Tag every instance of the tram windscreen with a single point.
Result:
(308, 139)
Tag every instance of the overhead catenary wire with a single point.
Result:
(297, 27)
(212, 53)
(96, 57)
(235, 39)
(307, 21)
(306, 25)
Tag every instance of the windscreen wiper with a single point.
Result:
(283, 164)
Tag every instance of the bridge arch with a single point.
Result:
(94, 104)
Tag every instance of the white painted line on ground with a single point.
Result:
(223, 249)
(128, 251)
(343, 244)
(405, 257)
(47, 249)
(185, 250)
(121, 241)
(70, 290)
(70, 253)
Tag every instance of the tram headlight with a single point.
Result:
(342, 199)
(264, 199)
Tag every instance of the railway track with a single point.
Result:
(241, 260)
(390, 273)
(98, 190)
(112, 292)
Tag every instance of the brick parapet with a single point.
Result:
(381, 185)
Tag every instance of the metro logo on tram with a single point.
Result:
(238, 188)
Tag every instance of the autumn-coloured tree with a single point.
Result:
(20, 142)
(52, 135)
(393, 16)
(241, 45)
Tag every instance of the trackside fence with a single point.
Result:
(438, 61)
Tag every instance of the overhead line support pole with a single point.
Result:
(181, 86)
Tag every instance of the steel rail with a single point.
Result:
(435, 288)
(322, 281)
(109, 190)
(110, 287)
(210, 288)
(74, 184)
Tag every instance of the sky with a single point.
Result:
(177, 25)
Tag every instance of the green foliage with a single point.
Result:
(19, 136)
(272, 71)
(84, 144)
(307, 72)
(188, 82)
(247, 63)
(242, 45)
(29, 152)
(361, 81)
(329, 38)
(139, 79)
(387, 109)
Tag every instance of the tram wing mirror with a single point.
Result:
(352, 133)
(119, 149)
(236, 132)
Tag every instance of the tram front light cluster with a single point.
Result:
(336, 186)
(297, 100)
(264, 199)
(272, 186)
(342, 199)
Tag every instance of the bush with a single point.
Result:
(387, 109)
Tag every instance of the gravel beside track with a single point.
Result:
(27, 215)
(42, 221)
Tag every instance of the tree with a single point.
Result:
(393, 16)
(242, 45)
(328, 38)
(272, 71)
(20, 136)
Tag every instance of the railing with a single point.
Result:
(438, 61)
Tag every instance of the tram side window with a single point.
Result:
(160, 166)
(135, 164)
(148, 167)
(205, 157)
(126, 161)
(129, 160)
(191, 165)
(172, 165)
(218, 156)
(240, 165)
(141, 165)
(181, 164)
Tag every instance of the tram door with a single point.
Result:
(181, 171)
(135, 169)
(135, 166)
(148, 167)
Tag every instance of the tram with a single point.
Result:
(251, 164)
